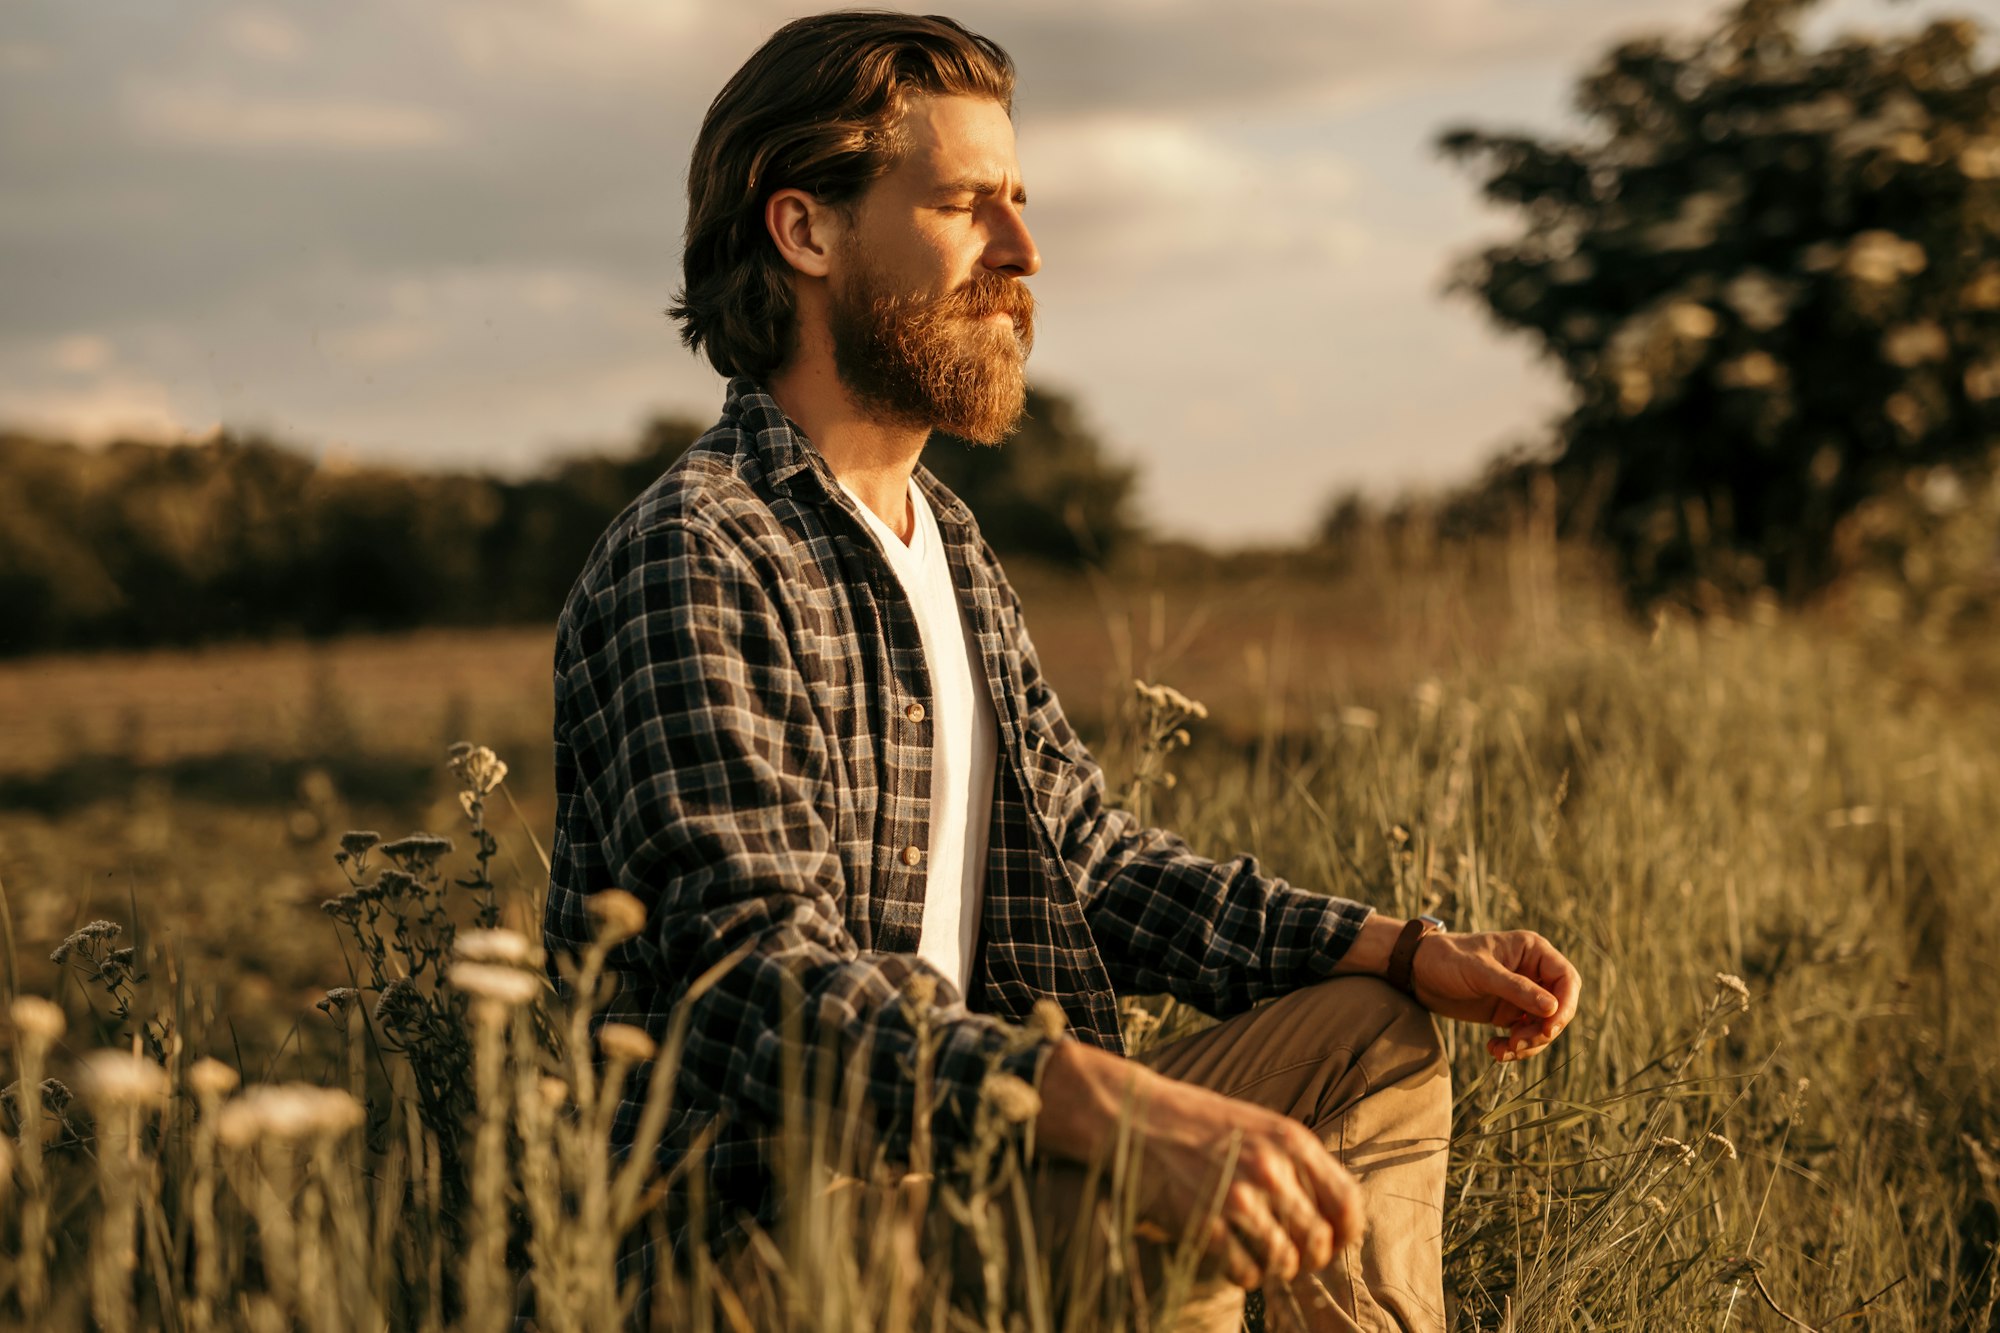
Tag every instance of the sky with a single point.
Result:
(446, 234)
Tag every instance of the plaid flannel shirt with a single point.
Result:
(742, 740)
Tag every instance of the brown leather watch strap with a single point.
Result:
(1405, 952)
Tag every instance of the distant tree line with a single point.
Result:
(136, 544)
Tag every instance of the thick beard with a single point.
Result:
(919, 360)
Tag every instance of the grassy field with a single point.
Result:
(1769, 842)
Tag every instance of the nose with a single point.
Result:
(1011, 249)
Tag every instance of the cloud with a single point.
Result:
(80, 353)
(1138, 192)
(110, 406)
(262, 34)
(218, 117)
(23, 57)
(447, 230)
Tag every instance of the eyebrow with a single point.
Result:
(971, 185)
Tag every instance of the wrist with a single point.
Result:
(1368, 956)
(1403, 958)
(1083, 1089)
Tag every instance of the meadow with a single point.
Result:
(1767, 838)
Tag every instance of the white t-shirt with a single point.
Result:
(964, 741)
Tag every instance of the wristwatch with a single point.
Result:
(1405, 950)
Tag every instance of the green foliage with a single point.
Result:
(1772, 280)
(1048, 491)
(140, 544)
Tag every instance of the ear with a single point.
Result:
(803, 229)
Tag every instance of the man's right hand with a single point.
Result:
(1287, 1208)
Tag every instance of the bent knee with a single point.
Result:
(1392, 1029)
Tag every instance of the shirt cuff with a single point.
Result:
(1339, 925)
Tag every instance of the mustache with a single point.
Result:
(994, 293)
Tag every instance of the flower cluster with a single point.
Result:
(1163, 712)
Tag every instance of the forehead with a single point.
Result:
(957, 138)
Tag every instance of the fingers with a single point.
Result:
(1537, 991)
(1511, 986)
(1291, 1208)
(1335, 1195)
(1230, 1255)
(1247, 1210)
(1295, 1205)
(1562, 980)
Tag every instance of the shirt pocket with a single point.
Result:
(1051, 777)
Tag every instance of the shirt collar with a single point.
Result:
(785, 453)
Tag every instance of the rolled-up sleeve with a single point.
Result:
(705, 766)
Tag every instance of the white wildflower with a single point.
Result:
(210, 1077)
(36, 1017)
(478, 768)
(287, 1111)
(120, 1078)
(503, 985)
(493, 946)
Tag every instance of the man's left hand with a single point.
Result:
(1513, 980)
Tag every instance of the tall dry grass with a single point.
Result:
(1767, 841)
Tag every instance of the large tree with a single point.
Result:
(1772, 276)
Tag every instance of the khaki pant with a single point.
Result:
(1353, 1058)
(1361, 1064)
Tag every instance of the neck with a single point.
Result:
(874, 459)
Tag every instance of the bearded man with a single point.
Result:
(800, 718)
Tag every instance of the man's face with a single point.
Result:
(931, 324)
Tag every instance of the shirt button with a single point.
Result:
(912, 854)
(915, 712)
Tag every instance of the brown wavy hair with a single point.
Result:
(817, 108)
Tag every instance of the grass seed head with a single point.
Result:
(619, 915)
(1669, 1145)
(1012, 1096)
(920, 990)
(622, 1041)
(1048, 1018)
